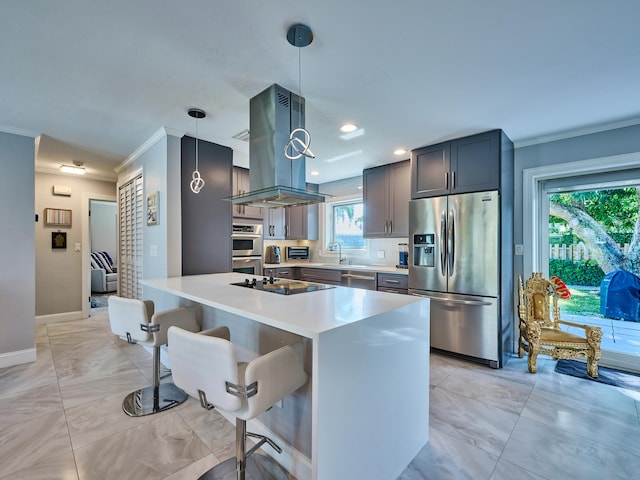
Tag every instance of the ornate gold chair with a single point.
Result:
(540, 326)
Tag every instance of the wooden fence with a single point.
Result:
(576, 252)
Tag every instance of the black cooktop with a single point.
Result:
(282, 286)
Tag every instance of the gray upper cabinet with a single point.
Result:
(240, 186)
(386, 200)
(292, 223)
(274, 224)
(301, 223)
(469, 164)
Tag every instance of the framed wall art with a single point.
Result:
(58, 240)
(152, 208)
(57, 217)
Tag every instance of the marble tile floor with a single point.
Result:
(61, 418)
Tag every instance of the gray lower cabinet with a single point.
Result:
(320, 275)
(386, 195)
(393, 283)
(281, 272)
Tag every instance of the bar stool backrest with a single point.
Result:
(127, 314)
(202, 363)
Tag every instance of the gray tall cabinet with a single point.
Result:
(206, 216)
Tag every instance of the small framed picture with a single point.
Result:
(59, 240)
(58, 217)
(152, 208)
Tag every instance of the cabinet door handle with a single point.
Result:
(453, 179)
(446, 180)
(391, 281)
(390, 226)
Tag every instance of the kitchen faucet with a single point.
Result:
(340, 259)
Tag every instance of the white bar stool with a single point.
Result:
(204, 365)
(135, 321)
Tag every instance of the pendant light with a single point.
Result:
(299, 140)
(197, 182)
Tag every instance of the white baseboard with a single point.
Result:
(18, 357)
(620, 361)
(58, 317)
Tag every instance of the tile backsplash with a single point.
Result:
(387, 248)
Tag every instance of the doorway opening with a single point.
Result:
(89, 244)
(103, 237)
(545, 232)
(592, 244)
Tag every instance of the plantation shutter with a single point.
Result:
(131, 217)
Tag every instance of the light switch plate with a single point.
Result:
(519, 249)
(153, 250)
(380, 253)
(76, 247)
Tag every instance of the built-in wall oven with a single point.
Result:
(246, 241)
(248, 265)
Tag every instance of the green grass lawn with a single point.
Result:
(585, 301)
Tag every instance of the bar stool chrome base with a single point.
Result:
(153, 399)
(258, 467)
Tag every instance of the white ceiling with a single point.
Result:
(99, 78)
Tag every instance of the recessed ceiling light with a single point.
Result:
(72, 169)
(348, 127)
(400, 151)
(314, 173)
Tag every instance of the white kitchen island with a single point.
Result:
(364, 413)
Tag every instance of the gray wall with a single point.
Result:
(584, 147)
(59, 272)
(17, 276)
(160, 167)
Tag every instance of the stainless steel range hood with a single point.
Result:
(275, 180)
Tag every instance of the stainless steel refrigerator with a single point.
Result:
(454, 259)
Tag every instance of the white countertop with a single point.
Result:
(307, 314)
(335, 266)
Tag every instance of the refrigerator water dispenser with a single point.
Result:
(424, 250)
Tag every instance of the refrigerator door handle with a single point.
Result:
(459, 302)
(451, 237)
(443, 245)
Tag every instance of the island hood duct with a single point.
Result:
(275, 181)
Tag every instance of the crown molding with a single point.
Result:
(578, 132)
(18, 131)
(162, 133)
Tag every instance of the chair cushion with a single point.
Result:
(554, 335)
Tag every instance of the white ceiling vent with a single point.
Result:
(243, 135)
